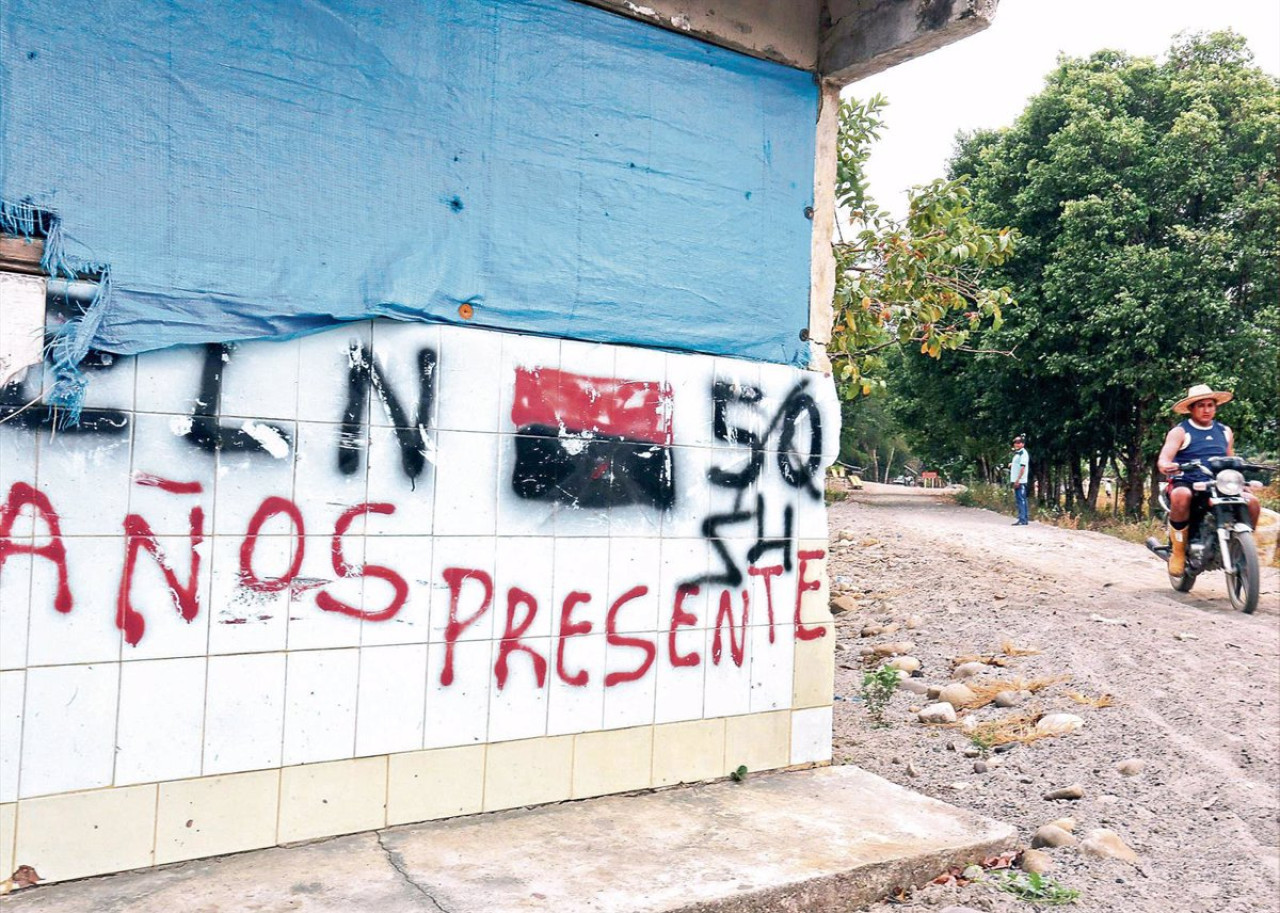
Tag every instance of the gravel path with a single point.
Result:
(1194, 686)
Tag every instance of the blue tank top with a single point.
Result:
(1202, 443)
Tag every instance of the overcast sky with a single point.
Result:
(985, 80)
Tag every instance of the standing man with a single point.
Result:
(1019, 477)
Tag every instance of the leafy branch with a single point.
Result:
(917, 281)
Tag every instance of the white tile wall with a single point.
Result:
(518, 710)
(312, 627)
(18, 464)
(168, 382)
(242, 619)
(322, 492)
(811, 735)
(471, 383)
(409, 558)
(388, 483)
(467, 478)
(261, 679)
(158, 735)
(15, 603)
(324, 361)
(68, 462)
(391, 699)
(166, 454)
(260, 380)
(458, 713)
(87, 633)
(320, 705)
(576, 707)
(68, 728)
(728, 684)
(244, 713)
(13, 686)
(246, 478)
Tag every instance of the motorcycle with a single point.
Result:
(1221, 536)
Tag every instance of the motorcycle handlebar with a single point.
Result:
(1197, 464)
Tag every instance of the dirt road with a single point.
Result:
(1193, 691)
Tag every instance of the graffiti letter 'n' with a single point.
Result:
(737, 646)
(23, 495)
(365, 372)
(186, 599)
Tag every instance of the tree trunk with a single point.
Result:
(1135, 482)
(1115, 499)
(1095, 481)
(1075, 494)
(888, 465)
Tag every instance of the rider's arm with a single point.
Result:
(1167, 462)
(1231, 441)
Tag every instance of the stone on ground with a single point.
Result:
(1107, 844)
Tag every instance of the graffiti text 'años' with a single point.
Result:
(471, 591)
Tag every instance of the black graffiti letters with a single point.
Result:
(206, 431)
(20, 406)
(364, 373)
(797, 469)
(725, 396)
(800, 469)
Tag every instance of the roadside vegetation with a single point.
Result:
(1138, 254)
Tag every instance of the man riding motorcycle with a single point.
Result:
(1198, 437)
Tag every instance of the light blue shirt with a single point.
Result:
(1020, 468)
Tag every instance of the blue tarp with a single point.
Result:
(249, 169)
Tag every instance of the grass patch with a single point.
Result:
(1016, 727)
(1035, 888)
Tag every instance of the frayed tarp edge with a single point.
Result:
(71, 341)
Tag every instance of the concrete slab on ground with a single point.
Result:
(830, 839)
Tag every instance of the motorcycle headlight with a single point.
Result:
(1230, 482)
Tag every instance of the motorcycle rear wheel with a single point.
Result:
(1245, 580)
(1184, 583)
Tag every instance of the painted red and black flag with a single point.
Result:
(592, 441)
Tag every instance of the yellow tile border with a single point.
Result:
(646, 739)
(8, 833)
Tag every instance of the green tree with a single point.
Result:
(1147, 199)
(905, 283)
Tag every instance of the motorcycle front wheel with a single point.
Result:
(1244, 581)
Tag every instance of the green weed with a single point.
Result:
(877, 689)
(1032, 887)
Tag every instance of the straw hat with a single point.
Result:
(1199, 392)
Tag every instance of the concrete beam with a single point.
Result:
(865, 37)
(782, 32)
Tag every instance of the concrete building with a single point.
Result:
(411, 410)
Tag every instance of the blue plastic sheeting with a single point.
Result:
(249, 169)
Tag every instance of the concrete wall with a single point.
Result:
(784, 32)
(240, 606)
